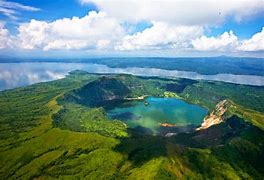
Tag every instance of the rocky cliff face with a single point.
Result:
(216, 116)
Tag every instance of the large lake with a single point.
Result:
(21, 74)
(173, 111)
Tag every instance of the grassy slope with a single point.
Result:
(41, 149)
(209, 94)
(32, 147)
(83, 119)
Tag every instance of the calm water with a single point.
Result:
(159, 110)
(21, 74)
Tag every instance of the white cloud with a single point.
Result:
(228, 42)
(4, 36)
(99, 31)
(11, 9)
(256, 43)
(180, 12)
(33, 34)
(161, 36)
(93, 31)
(225, 42)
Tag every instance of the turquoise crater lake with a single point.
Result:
(157, 111)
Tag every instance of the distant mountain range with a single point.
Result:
(201, 65)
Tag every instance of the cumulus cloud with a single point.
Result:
(93, 31)
(99, 31)
(161, 36)
(4, 36)
(225, 42)
(228, 42)
(10, 9)
(256, 43)
(180, 12)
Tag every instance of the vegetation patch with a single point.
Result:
(45, 134)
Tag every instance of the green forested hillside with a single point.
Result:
(49, 131)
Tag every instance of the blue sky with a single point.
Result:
(129, 27)
(54, 9)
(243, 30)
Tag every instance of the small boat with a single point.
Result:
(146, 103)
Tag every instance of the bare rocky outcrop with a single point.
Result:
(216, 116)
(167, 125)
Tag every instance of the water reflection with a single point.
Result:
(20, 74)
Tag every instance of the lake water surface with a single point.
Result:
(159, 110)
(21, 74)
